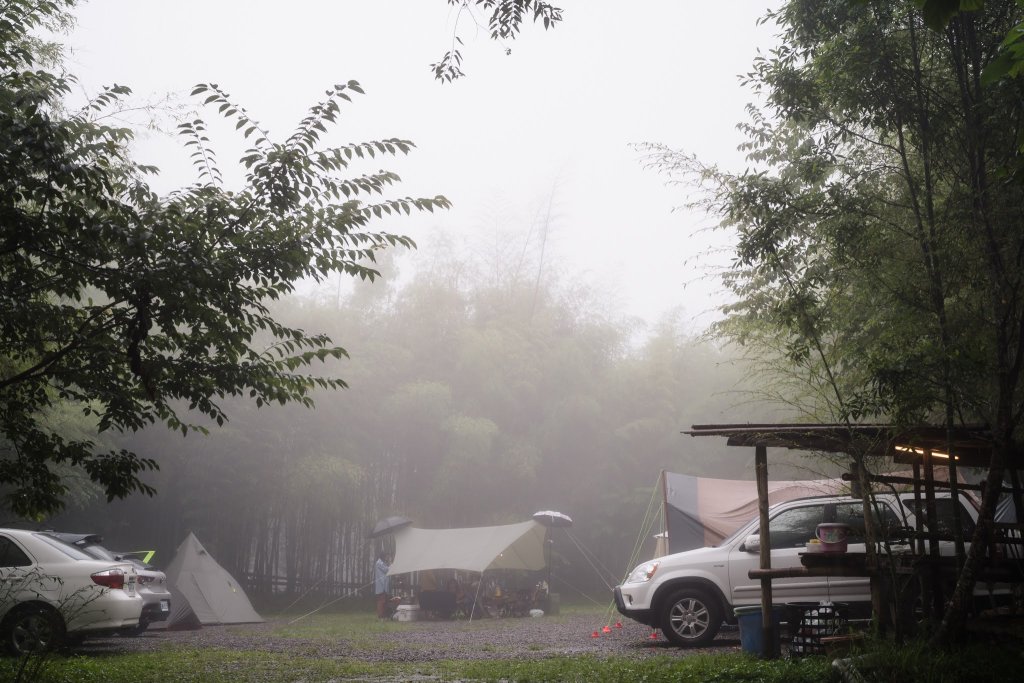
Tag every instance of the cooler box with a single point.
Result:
(407, 612)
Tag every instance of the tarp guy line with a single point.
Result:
(328, 604)
(583, 552)
(645, 529)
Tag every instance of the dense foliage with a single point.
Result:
(879, 272)
(137, 309)
(504, 22)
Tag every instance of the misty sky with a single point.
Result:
(557, 116)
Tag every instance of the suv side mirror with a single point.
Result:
(752, 544)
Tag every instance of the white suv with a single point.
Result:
(689, 594)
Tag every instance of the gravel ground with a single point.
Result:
(423, 641)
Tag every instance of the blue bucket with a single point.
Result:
(751, 633)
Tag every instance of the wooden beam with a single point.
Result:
(793, 572)
(768, 636)
(910, 481)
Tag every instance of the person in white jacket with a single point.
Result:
(382, 584)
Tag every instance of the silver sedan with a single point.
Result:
(50, 590)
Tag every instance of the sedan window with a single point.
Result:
(98, 552)
(11, 555)
(66, 548)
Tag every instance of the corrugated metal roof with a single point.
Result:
(970, 444)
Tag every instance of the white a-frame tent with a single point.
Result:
(202, 591)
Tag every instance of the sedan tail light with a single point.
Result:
(111, 578)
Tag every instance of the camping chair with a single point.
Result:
(440, 604)
(520, 603)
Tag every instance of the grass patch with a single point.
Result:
(304, 661)
(978, 662)
(696, 669)
(336, 626)
(202, 666)
(223, 666)
(879, 663)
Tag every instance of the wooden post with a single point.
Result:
(768, 635)
(935, 588)
(1018, 501)
(918, 512)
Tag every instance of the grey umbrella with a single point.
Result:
(389, 525)
(550, 518)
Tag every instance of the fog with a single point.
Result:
(471, 401)
(548, 126)
(540, 351)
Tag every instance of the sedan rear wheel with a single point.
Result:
(689, 617)
(33, 629)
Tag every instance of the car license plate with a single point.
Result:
(165, 605)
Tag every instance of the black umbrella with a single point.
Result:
(550, 518)
(389, 525)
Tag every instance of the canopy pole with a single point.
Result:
(547, 554)
(664, 512)
(476, 596)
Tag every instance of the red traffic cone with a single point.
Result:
(595, 634)
(618, 624)
(654, 635)
(606, 629)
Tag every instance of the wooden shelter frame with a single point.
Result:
(923, 447)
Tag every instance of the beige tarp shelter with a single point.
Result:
(702, 511)
(474, 549)
(203, 592)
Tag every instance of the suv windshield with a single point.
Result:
(944, 517)
(744, 530)
(794, 526)
(887, 524)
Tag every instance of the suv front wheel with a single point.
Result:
(690, 617)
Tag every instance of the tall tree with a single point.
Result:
(140, 308)
(880, 252)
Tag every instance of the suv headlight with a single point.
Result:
(643, 573)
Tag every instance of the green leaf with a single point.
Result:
(998, 68)
(938, 13)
